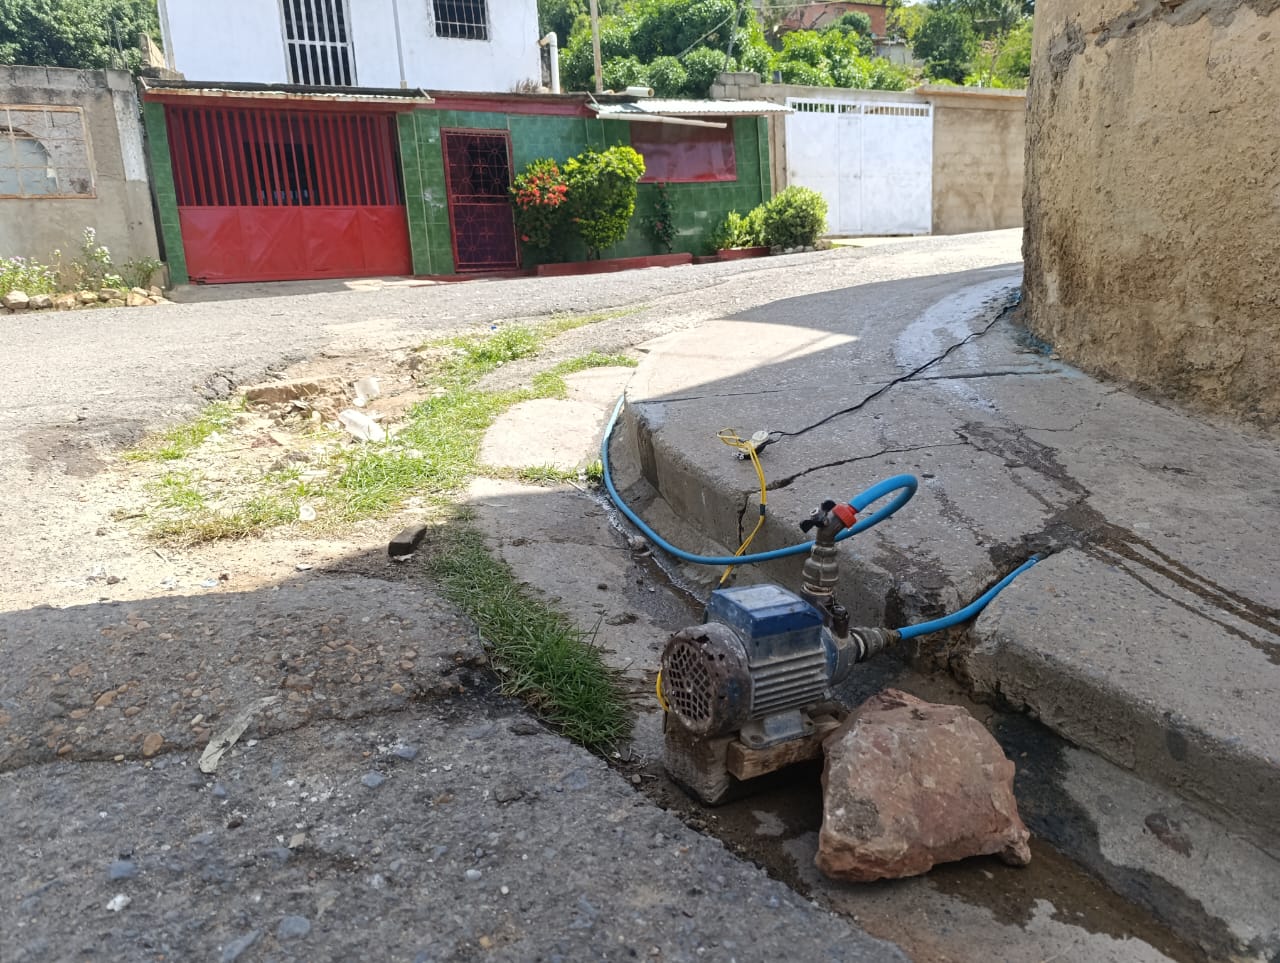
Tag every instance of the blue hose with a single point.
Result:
(904, 485)
(970, 610)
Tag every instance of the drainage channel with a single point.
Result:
(1051, 909)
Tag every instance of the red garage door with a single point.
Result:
(275, 195)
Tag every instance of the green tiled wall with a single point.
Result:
(166, 195)
(697, 208)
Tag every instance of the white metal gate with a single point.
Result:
(872, 161)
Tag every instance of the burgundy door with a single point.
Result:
(266, 194)
(477, 166)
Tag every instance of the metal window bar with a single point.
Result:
(283, 158)
(461, 19)
(318, 43)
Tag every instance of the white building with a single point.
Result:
(488, 45)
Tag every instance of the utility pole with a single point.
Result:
(595, 45)
(733, 34)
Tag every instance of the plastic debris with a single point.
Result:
(366, 390)
(361, 425)
(306, 513)
(224, 740)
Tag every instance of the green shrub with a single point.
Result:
(602, 194)
(538, 196)
(795, 218)
(739, 231)
(668, 77)
(28, 276)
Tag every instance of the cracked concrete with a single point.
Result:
(1149, 636)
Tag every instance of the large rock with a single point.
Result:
(16, 300)
(909, 784)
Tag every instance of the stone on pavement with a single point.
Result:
(908, 784)
(1016, 453)
(16, 300)
(1207, 670)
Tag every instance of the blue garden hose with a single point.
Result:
(969, 611)
(904, 485)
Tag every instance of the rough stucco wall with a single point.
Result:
(1152, 204)
(121, 210)
(978, 145)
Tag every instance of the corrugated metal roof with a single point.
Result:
(689, 108)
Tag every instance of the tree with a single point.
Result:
(946, 42)
(856, 27)
(562, 15)
(1013, 60)
(76, 33)
(678, 47)
(990, 19)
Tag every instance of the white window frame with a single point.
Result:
(328, 48)
(448, 28)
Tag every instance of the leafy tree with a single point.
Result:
(989, 18)
(667, 77)
(1013, 60)
(947, 44)
(833, 59)
(703, 65)
(853, 22)
(562, 15)
(678, 47)
(856, 26)
(76, 33)
(693, 33)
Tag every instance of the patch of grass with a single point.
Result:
(545, 474)
(551, 384)
(434, 453)
(538, 652)
(560, 323)
(254, 516)
(181, 440)
(176, 490)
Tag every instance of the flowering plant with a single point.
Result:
(659, 222)
(538, 196)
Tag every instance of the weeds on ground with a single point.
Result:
(180, 441)
(539, 654)
(433, 454)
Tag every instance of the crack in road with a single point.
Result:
(909, 376)
(784, 482)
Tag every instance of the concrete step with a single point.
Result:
(1149, 636)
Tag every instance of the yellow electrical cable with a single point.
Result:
(731, 438)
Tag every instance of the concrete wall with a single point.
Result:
(243, 40)
(105, 171)
(1153, 195)
(977, 145)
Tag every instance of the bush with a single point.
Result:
(28, 276)
(739, 231)
(668, 77)
(602, 194)
(538, 196)
(795, 218)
